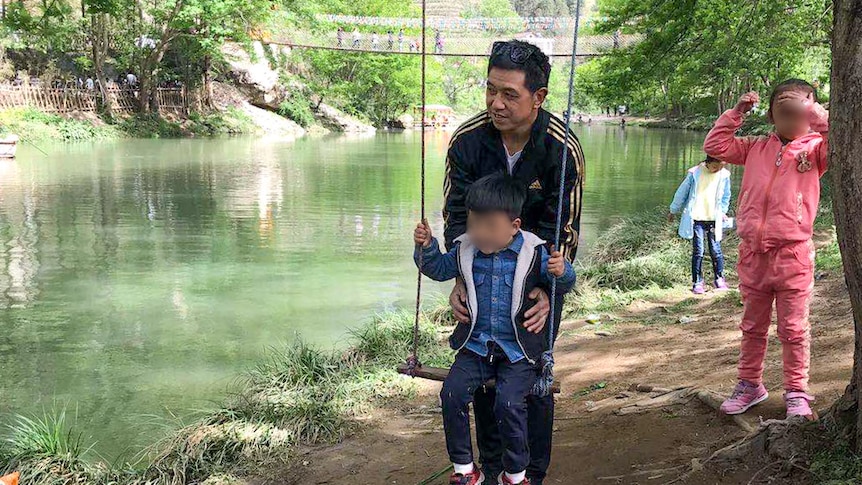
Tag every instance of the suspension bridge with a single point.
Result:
(446, 36)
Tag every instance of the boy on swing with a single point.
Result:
(500, 265)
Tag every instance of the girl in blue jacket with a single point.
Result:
(704, 199)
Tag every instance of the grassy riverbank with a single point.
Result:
(36, 126)
(304, 395)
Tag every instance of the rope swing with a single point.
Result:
(545, 384)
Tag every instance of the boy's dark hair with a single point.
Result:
(792, 85)
(711, 159)
(535, 66)
(497, 192)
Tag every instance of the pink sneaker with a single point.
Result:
(698, 289)
(503, 479)
(744, 396)
(799, 404)
(721, 284)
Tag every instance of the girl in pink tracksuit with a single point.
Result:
(777, 206)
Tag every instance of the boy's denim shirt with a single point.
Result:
(494, 277)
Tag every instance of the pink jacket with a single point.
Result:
(781, 184)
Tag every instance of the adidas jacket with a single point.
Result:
(476, 150)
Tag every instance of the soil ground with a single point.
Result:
(403, 443)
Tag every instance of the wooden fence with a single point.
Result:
(67, 99)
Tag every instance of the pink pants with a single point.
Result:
(784, 275)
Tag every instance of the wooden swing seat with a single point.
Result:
(440, 374)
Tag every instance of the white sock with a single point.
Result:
(463, 469)
(516, 477)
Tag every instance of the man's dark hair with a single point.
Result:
(536, 68)
(792, 85)
(497, 192)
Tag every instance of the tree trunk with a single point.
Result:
(207, 83)
(845, 146)
(99, 41)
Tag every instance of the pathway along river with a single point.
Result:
(139, 278)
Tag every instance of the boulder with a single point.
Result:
(255, 78)
(337, 120)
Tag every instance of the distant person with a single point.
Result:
(590, 120)
(340, 37)
(390, 40)
(703, 199)
(375, 41)
(777, 208)
(90, 85)
(623, 122)
(357, 38)
(438, 42)
(496, 345)
(401, 40)
(580, 119)
(132, 80)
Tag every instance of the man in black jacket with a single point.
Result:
(516, 135)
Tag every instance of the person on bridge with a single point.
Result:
(517, 136)
(375, 41)
(777, 208)
(438, 42)
(401, 40)
(357, 38)
(390, 41)
(340, 37)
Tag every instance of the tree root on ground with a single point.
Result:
(785, 445)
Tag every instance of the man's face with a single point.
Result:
(508, 100)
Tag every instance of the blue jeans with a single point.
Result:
(513, 382)
(705, 231)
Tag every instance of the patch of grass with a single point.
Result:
(837, 466)
(828, 257)
(37, 126)
(591, 388)
(639, 252)
(299, 395)
(589, 297)
(298, 109)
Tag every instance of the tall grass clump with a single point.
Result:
(639, 252)
(300, 395)
(47, 449)
(639, 258)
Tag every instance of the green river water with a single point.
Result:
(139, 278)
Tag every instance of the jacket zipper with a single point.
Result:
(515, 325)
(768, 193)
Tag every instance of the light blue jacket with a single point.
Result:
(683, 201)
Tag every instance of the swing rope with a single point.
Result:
(413, 361)
(543, 384)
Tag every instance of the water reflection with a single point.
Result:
(141, 276)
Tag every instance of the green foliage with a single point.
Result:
(36, 126)
(49, 434)
(377, 86)
(837, 466)
(543, 8)
(494, 8)
(638, 252)
(297, 109)
(698, 57)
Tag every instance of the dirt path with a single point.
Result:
(404, 444)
